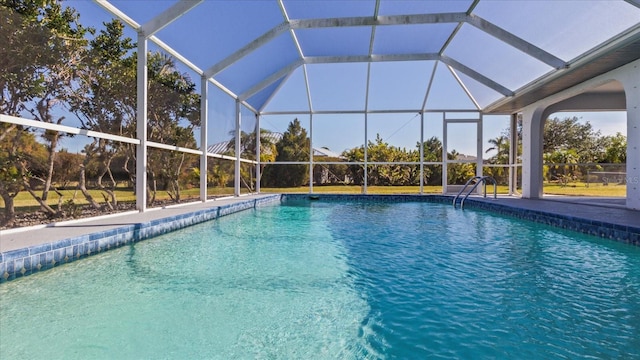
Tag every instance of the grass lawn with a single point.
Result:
(581, 189)
(24, 202)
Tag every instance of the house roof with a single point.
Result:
(273, 137)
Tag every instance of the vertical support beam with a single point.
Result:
(479, 153)
(532, 136)
(445, 178)
(631, 81)
(236, 180)
(141, 125)
(204, 115)
(513, 154)
(310, 153)
(258, 154)
(366, 155)
(421, 152)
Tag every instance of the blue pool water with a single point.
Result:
(336, 281)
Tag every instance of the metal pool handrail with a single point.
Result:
(480, 179)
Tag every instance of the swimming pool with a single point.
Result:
(337, 280)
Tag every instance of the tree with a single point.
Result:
(104, 100)
(562, 165)
(432, 152)
(568, 134)
(390, 174)
(18, 149)
(615, 149)
(459, 173)
(356, 172)
(173, 113)
(248, 145)
(501, 146)
(66, 169)
(294, 146)
(44, 46)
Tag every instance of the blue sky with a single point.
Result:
(215, 29)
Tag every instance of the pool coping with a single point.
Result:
(25, 261)
(19, 262)
(617, 224)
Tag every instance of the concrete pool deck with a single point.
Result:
(607, 210)
(598, 209)
(26, 251)
(14, 239)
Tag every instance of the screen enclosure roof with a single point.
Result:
(389, 55)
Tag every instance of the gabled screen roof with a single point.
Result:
(375, 55)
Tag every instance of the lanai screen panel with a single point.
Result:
(139, 11)
(493, 58)
(242, 75)
(564, 28)
(338, 87)
(454, 96)
(408, 79)
(482, 94)
(259, 99)
(214, 30)
(335, 41)
(494, 48)
(319, 9)
(403, 7)
(292, 95)
(411, 39)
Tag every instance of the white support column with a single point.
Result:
(532, 133)
(258, 154)
(310, 153)
(513, 154)
(479, 153)
(141, 125)
(204, 114)
(421, 152)
(445, 179)
(366, 156)
(236, 181)
(631, 81)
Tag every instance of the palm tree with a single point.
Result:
(248, 144)
(501, 146)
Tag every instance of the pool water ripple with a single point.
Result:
(346, 280)
(478, 286)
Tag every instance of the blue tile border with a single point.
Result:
(26, 261)
(368, 198)
(626, 234)
(22, 262)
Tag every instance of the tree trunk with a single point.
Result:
(51, 160)
(6, 132)
(9, 209)
(27, 186)
(43, 204)
(151, 192)
(176, 179)
(110, 198)
(83, 188)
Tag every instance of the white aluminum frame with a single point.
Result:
(146, 33)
